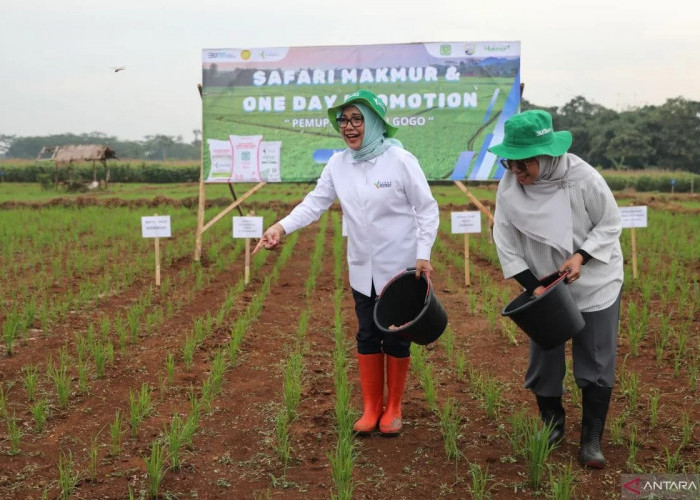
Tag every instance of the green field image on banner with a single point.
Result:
(265, 109)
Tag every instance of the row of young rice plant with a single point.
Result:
(294, 365)
(105, 260)
(99, 345)
(166, 450)
(342, 459)
(32, 300)
(180, 433)
(659, 325)
(677, 331)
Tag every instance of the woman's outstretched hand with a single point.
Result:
(270, 238)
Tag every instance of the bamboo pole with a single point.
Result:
(480, 206)
(232, 206)
(474, 200)
(202, 194)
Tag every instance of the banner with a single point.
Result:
(265, 109)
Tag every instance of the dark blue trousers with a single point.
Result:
(370, 339)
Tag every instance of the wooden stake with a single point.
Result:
(202, 193)
(247, 261)
(247, 254)
(634, 253)
(157, 261)
(467, 277)
(200, 207)
(157, 252)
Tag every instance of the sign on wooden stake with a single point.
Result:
(466, 222)
(156, 227)
(634, 217)
(247, 227)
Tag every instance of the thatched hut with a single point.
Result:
(66, 155)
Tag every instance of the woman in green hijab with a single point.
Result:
(392, 221)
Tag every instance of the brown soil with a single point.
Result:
(233, 455)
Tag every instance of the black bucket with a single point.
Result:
(549, 319)
(408, 307)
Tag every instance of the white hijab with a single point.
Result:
(542, 210)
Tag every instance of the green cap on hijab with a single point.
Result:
(529, 134)
(369, 99)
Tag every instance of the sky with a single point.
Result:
(56, 57)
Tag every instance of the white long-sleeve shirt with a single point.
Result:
(596, 230)
(390, 214)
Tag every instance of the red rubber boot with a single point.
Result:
(372, 382)
(396, 370)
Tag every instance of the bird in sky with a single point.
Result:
(117, 69)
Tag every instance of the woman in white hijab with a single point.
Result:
(554, 212)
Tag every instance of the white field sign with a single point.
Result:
(465, 223)
(156, 226)
(247, 227)
(633, 217)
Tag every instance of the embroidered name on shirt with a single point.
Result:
(382, 184)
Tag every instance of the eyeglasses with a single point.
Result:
(356, 120)
(520, 165)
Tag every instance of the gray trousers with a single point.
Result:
(594, 351)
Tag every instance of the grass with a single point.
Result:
(30, 379)
(14, 432)
(480, 479)
(155, 468)
(67, 476)
(450, 421)
(115, 433)
(562, 481)
(173, 440)
(139, 407)
(40, 412)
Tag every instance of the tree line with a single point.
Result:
(152, 147)
(664, 137)
(660, 137)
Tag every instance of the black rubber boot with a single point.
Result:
(552, 412)
(596, 400)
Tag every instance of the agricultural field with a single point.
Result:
(208, 387)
